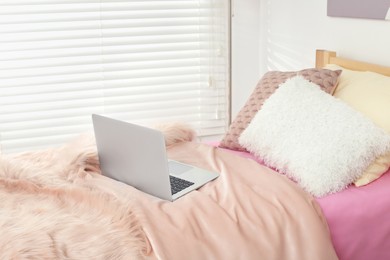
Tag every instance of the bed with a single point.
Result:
(55, 204)
(357, 216)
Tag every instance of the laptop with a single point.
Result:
(136, 155)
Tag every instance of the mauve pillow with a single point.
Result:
(326, 79)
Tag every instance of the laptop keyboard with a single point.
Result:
(178, 184)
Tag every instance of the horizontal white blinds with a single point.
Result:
(141, 61)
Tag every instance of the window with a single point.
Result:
(140, 61)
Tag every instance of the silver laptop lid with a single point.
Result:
(133, 154)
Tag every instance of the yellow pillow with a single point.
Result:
(374, 171)
(369, 93)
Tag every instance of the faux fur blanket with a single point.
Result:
(49, 210)
(54, 204)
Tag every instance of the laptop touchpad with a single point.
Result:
(178, 168)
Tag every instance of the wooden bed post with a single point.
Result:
(323, 57)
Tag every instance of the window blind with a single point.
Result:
(144, 62)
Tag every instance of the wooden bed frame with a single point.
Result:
(324, 57)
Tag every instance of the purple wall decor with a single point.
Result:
(372, 9)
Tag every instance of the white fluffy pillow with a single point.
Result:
(314, 138)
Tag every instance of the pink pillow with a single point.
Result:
(326, 79)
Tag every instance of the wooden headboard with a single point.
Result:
(324, 57)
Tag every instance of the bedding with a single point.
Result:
(55, 204)
(358, 217)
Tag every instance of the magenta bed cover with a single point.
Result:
(358, 218)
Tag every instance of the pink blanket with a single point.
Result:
(358, 218)
(249, 212)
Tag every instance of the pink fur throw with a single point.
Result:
(48, 210)
(175, 133)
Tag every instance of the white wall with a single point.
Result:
(288, 34)
(245, 50)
